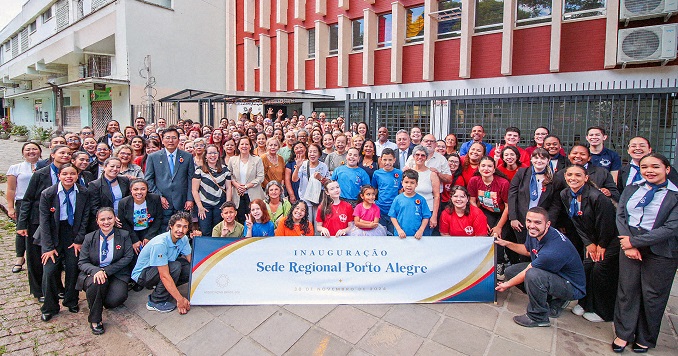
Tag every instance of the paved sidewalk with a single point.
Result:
(401, 329)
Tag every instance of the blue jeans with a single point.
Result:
(543, 289)
(386, 222)
(212, 218)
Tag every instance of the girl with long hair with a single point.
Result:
(296, 222)
(334, 214)
(258, 223)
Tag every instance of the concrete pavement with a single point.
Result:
(400, 329)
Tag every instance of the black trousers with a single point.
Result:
(112, 293)
(243, 209)
(19, 241)
(33, 263)
(602, 279)
(51, 277)
(644, 288)
(180, 270)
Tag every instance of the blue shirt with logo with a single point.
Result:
(387, 185)
(409, 212)
(160, 251)
(607, 159)
(350, 180)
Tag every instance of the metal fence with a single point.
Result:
(151, 113)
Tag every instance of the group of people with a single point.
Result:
(118, 212)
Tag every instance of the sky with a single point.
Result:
(8, 10)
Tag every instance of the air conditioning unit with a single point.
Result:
(647, 44)
(644, 9)
(26, 85)
(9, 103)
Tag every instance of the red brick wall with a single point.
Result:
(310, 74)
(413, 57)
(486, 56)
(331, 72)
(382, 67)
(446, 60)
(355, 69)
(532, 50)
(582, 46)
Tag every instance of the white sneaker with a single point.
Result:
(593, 317)
(578, 310)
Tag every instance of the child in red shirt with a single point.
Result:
(334, 214)
(460, 218)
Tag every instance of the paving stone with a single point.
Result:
(537, 338)
(413, 317)
(387, 339)
(672, 305)
(501, 346)
(674, 322)
(348, 323)
(377, 310)
(578, 325)
(516, 301)
(215, 310)
(569, 343)
(430, 348)
(666, 345)
(457, 335)
(279, 332)
(438, 307)
(358, 352)
(666, 327)
(247, 347)
(319, 342)
(189, 323)
(245, 318)
(214, 337)
(477, 314)
(312, 313)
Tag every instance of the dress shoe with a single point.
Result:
(617, 348)
(97, 329)
(41, 299)
(639, 349)
(74, 309)
(46, 316)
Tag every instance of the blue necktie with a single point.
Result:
(69, 206)
(574, 207)
(171, 163)
(650, 195)
(104, 248)
(56, 171)
(638, 176)
(81, 180)
(534, 187)
(110, 186)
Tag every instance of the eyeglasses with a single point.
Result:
(102, 150)
(73, 140)
(85, 133)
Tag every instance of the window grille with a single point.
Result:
(62, 14)
(24, 40)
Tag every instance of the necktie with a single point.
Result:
(171, 163)
(650, 195)
(81, 180)
(104, 248)
(637, 177)
(110, 187)
(574, 207)
(534, 187)
(69, 206)
(55, 170)
(403, 159)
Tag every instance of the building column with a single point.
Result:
(281, 12)
(300, 10)
(322, 51)
(343, 4)
(611, 28)
(300, 56)
(345, 47)
(507, 37)
(250, 63)
(468, 24)
(321, 7)
(556, 26)
(248, 13)
(231, 59)
(265, 14)
(398, 32)
(281, 46)
(369, 45)
(264, 63)
(430, 36)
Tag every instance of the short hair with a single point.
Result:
(86, 128)
(58, 147)
(513, 129)
(112, 158)
(140, 117)
(411, 174)
(541, 211)
(137, 180)
(602, 130)
(228, 204)
(68, 165)
(388, 151)
(553, 136)
(104, 209)
(182, 215)
(402, 131)
(169, 130)
(588, 150)
(419, 148)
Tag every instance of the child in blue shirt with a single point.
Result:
(351, 177)
(388, 182)
(258, 223)
(409, 212)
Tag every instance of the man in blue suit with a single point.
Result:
(169, 173)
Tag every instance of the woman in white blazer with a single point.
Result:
(246, 177)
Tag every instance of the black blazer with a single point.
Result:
(50, 207)
(87, 176)
(596, 225)
(153, 208)
(29, 214)
(519, 196)
(562, 163)
(598, 175)
(662, 239)
(94, 168)
(100, 196)
(624, 176)
(396, 164)
(104, 139)
(88, 260)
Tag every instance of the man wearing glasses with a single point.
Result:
(86, 132)
(73, 142)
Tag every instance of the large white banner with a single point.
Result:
(345, 270)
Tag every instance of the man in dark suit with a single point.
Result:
(169, 173)
(404, 149)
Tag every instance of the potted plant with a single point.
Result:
(20, 132)
(5, 128)
(37, 133)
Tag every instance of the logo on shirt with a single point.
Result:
(468, 230)
(343, 218)
(605, 162)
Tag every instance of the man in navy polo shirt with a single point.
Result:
(553, 278)
(602, 156)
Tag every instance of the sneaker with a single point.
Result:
(557, 308)
(163, 307)
(578, 310)
(593, 317)
(524, 320)
(500, 271)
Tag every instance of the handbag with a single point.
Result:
(314, 187)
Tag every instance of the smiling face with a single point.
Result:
(328, 141)
(512, 138)
(358, 141)
(579, 155)
(31, 152)
(552, 145)
(62, 155)
(340, 144)
(274, 192)
(382, 134)
(477, 133)
(129, 133)
(459, 199)
(106, 221)
(352, 157)
(486, 168)
(362, 129)
(137, 144)
(536, 225)
(112, 126)
(212, 155)
(118, 139)
(402, 140)
(170, 139)
(539, 162)
(539, 135)
(313, 153)
(369, 195)
(409, 185)
(453, 162)
(476, 152)
(576, 177)
(595, 137)
(81, 161)
(179, 229)
(368, 149)
(299, 212)
(229, 147)
(638, 148)
(112, 169)
(189, 147)
(256, 211)
(244, 146)
(228, 214)
(68, 176)
(653, 170)
(217, 136)
(125, 155)
(415, 135)
(509, 157)
(139, 191)
(90, 145)
(333, 190)
(441, 147)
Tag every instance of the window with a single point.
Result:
(531, 12)
(311, 43)
(384, 31)
(357, 32)
(414, 21)
(163, 3)
(575, 9)
(258, 56)
(47, 15)
(33, 26)
(334, 39)
(452, 27)
(489, 15)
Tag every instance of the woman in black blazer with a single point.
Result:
(647, 220)
(80, 160)
(63, 221)
(593, 216)
(143, 221)
(531, 186)
(104, 267)
(29, 215)
(108, 190)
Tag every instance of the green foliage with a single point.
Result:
(20, 130)
(41, 133)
